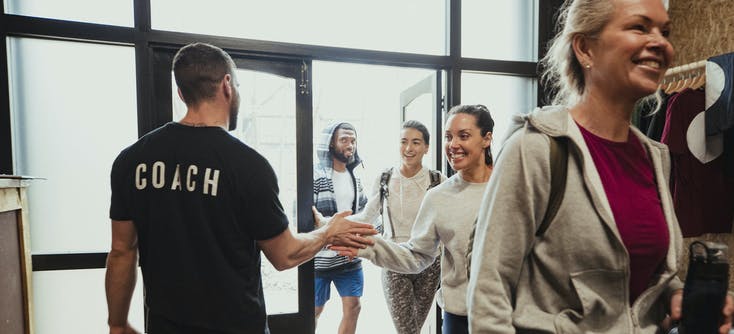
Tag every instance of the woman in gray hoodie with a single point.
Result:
(607, 262)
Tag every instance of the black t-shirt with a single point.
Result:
(199, 199)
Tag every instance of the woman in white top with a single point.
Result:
(396, 197)
(446, 217)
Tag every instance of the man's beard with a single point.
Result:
(342, 157)
(234, 110)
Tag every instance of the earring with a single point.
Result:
(587, 66)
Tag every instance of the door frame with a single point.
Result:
(433, 85)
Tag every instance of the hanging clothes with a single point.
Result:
(701, 192)
(729, 153)
(719, 96)
(654, 128)
(642, 114)
(720, 107)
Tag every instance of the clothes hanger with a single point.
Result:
(700, 80)
(673, 85)
(683, 84)
(672, 82)
(675, 81)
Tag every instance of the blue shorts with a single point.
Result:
(348, 283)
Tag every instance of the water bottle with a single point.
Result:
(704, 293)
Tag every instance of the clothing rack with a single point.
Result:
(691, 75)
(685, 68)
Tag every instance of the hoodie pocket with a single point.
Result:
(601, 294)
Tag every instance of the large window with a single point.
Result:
(503, 95)
(113, 12)
(416, 26)
(73, 301)
(71, 115)
(499, 29)
(71, 108)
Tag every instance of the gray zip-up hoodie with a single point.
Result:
(575, 277)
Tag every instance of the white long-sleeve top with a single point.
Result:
(446, 217)
(403, 202)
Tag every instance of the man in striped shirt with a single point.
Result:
(337, 189)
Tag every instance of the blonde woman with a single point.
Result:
(607, 262)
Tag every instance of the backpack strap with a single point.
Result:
(435, 178)
(385, 193)
(384, 189)
(559, 171)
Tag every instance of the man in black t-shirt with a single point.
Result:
(199, 205)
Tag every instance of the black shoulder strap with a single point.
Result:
(384, 188)
(558, 166)
(435, 178)
(384, 193)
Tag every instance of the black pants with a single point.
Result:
(455, 324)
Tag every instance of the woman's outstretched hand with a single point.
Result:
(350, 252)
(341, 231)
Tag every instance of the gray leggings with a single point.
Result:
(410, 296)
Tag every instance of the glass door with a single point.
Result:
(375, 99)
(275, 119)
(422, 102)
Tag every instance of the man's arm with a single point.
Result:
(286, 250)
(121, 275)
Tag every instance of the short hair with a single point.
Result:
(413, 124)
(484, 122)
(342, 126)
(563, 75)
(345, 126)
(198, 69)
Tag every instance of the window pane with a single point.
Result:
(73, 301)
(267, 122)
(499, 29)
(423, 109)
(416, 26)
(73, 112)
(503, 95)
(112, 12)
(419, 104)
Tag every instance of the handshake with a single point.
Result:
(343, 235)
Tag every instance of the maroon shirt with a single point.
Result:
(629, 183)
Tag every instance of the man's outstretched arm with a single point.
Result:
(287, 250)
